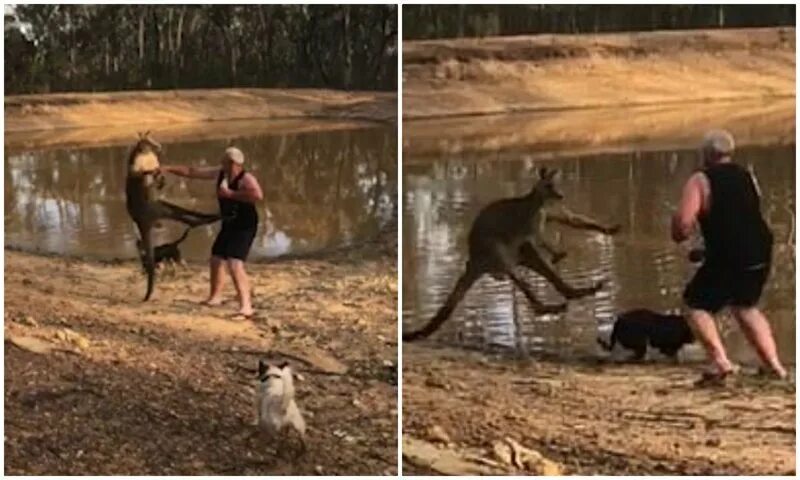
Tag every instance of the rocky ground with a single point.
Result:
(99, 383)
(472, 413)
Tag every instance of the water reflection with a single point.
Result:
(321, 189)
(641, 266)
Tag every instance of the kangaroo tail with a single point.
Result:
(464, 283)
(149, 263)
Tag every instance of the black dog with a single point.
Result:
(636, 329)
(169, 252)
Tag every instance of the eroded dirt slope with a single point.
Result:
(472, 76)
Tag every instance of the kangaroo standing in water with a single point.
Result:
(507, 233)
(145, 208)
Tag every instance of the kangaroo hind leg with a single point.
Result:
(537, 305)
(530, 258)
(189, 217)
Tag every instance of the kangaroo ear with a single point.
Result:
(553, 174)
(147, 134)
(543, 172)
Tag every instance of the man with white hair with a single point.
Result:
(237, 192)
(724, 199)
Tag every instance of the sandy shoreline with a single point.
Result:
(94, 137)
(106, 384)
(546, 135)
(177, 110)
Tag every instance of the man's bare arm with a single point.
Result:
(206, 173)
(250, 191)
(685, 218)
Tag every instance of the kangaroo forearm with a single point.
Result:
(574, 222)
(579, 222)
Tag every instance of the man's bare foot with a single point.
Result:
(212, 302)
(242, 315)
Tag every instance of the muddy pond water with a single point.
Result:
(322, 189)
(642, 267)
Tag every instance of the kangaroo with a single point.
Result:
(168, 252)
(509, 232)
(145, 208)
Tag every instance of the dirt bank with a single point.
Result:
(97, 382)
(556, 72)
(592, 417)
(157, 109)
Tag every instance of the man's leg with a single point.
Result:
(705, 295)
(217, 280)
(705, 329)
(757, 330)
(242, 285)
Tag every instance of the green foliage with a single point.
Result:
(454, 21)
(119, 47)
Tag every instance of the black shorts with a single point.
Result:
(231, 243)
(714, 288)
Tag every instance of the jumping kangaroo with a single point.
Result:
(507, 233)
(145, 208)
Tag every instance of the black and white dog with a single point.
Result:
(637, 329)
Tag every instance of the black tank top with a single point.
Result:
(236, 215)
(735, 234)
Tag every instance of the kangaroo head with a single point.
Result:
(545, 188)
(145, 155)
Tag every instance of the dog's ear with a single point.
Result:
(283, 365)
(262, 367)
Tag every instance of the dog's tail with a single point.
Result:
(183, 237)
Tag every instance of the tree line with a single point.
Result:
(56, 48)
(454, 21)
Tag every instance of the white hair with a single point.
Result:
(719, 141)
(235, 155)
